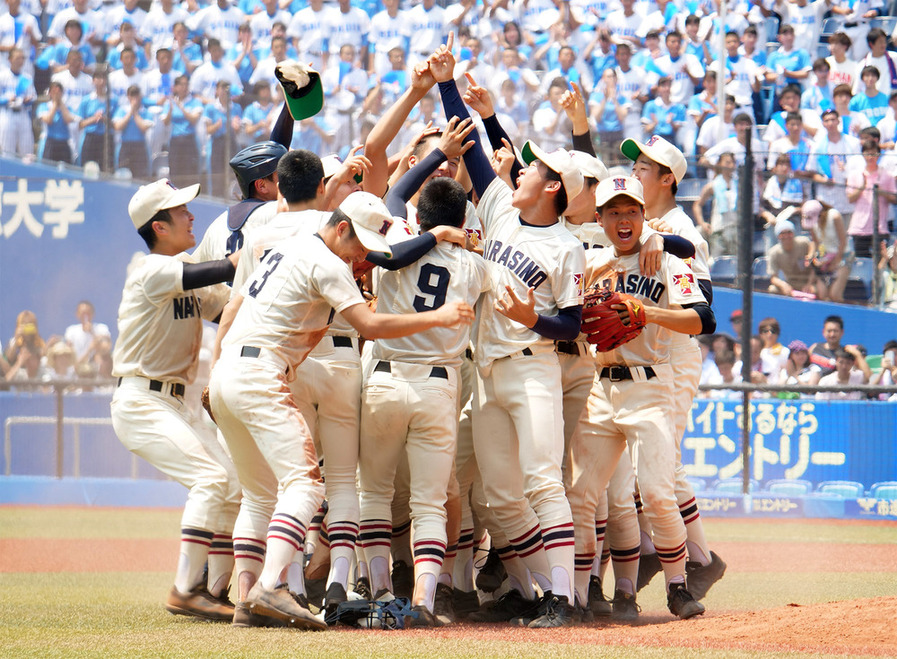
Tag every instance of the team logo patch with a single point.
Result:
(619, 184)
(652, 140)
(685, 283)
(385, 227)
(577, 282)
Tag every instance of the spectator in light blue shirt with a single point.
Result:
(872, 104)
(131, 121)
(819, 96)
(788, 65)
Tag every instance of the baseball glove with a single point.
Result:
(608, 328)
(207, 404)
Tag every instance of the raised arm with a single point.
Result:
(480, 101)
(442, 66)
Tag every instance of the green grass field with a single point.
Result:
(112, 614)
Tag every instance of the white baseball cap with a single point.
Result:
(332, 164)
(370, 219)
(628, 186)
(558, 161)
(783, 226)
(589, 166)
(658, 150)
(154, 197)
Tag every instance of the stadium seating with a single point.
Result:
(842, 489)
(724, 270)
(859, 283)
(733, 486)
(698, 484)
(789, 487)
(884, 490)
(829, 27)
(772, 30)
(761, 278)
(886, 23)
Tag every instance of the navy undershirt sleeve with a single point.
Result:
(405, 253)
(478, 166)
(563, 327)
(410, 183)
(197, 275)
(707, 289)
(678, 246)
(584, 143)
(708, 319)
(282, 131)
(496, 133)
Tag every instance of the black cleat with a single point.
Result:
(402, 579)
(510, 605)
(556, 611)
(681, 603)
(465, 602)
(363, 588)
(598, 604)
(492, 574)
(701, 577)
(624, 606)
(335, 596)
(648, 566)
(443, 606)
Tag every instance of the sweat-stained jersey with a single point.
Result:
(548, 259)
(291, 299)
(446, 273)
(673, 286)
(160, 324)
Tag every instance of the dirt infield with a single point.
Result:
(848, 628)
(157, 555)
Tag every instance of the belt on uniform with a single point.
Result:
(617, 373)
(435, 372)
(342, 341)
(177, 389)
(469, 354)
(567, 347)
(253, 352)
(851, 24)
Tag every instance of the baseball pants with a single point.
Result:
(16, 132)
(518, 430)
(633, 411)
(269, 441)
(411, 408)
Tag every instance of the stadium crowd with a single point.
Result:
(140, 87)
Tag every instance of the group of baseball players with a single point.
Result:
(399, 375)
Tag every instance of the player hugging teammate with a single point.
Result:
(579, 348)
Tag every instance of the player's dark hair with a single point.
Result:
(790, 89)
(338, 216)
(871, 70)
(146, 231)
(750, 29)
(742, 117)
(422, 149)
(663, 170)
(842, 90)
(732, 33)
(820, 64)
(300, 173)
(442, 202)
(828, 112)
(837, 320)
(560, 199)
(558, 82)
(793, 116)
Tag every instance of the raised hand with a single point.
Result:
(575, 106)
(478, 98)
(521, 311)
(442, 62)
(452, 143)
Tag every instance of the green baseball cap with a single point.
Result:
(302, 89)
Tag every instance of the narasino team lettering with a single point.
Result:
(646, 287)
(529, 271)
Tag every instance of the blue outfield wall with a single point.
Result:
(801, 439)
(64, 238)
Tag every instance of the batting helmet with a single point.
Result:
(255, 162)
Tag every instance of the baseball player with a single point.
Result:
(410, 400)
(632, 391)
(256, 170)
(660, 167)
(163, 303)
(325, 388)
(536, 269)
(268, 330)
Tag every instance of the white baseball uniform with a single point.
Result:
(155, 356)
(518, 408)
(629, 402)
(326, 390)
(410, 405)
(287, 306)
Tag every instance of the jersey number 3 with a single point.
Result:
(256, 287)
(433, 283)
